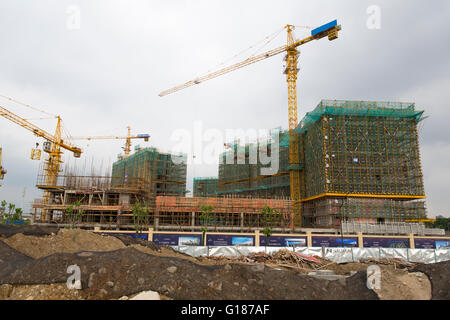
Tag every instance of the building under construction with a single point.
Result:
(109, 199)
(360, 161)
(205, 187)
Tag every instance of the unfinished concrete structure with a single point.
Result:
(109, 199)
(360, 162)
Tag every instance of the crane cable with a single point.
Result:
(27, 105)
(268, 39)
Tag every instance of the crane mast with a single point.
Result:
(294, 156)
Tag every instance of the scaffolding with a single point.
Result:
(228, 213)
(359, 160)
(165, 173)
(240, 170)
(205, 186)
(138, 178)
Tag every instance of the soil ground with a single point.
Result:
(34, 266)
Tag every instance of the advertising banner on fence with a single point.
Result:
(331, 242)
(432, 243)
(282, 241)
(229, 240)
(386, 243)
(172, 239)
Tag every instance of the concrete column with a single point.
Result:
(360, 239)
(193, 220)
(242, 221)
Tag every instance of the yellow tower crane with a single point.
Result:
(53, 146)
(128, 138)
(329, 30)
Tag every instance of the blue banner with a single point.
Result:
(332, 242)
(283, 241)
(229, 240)
(171, 239)
(432, 243)
(386, 242)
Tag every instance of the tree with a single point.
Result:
(140, 215)
(441, 223)
(70, 213)
(269, 218)
(11, 207)
(9, 212)
(205, 220)
(3, 211)
(17, 216)
(75, 213)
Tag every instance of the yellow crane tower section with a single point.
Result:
(329, 30)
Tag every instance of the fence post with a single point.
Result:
(360, 240)
(412, 245)
(308, 239)
(150, 234)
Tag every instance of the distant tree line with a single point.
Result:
(441, 223)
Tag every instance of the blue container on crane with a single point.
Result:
(324, 27)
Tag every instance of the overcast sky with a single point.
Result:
(104, 71)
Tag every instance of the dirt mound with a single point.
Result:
(58, 291)
(439, 275)
(126, 271)
(66, 240)
(159, 250)
(401, 285)
(32, 230)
